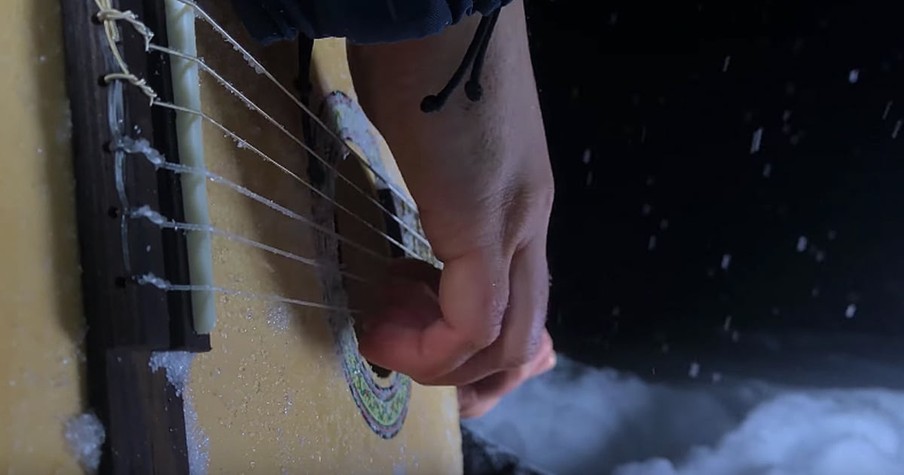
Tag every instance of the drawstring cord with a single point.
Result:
(474, 57)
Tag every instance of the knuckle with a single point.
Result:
(516, 360)
(525, 353)
(525, 210)
(489, 329)
(484, 335)
(546, 194)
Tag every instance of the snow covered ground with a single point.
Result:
(583, 420)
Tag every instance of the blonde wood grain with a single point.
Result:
(270, 397)
(40, 303)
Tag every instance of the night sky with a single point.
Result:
(730, 180)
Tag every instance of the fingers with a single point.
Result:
(461, 336)
(426, 336)
(476, 399)
(523, 326)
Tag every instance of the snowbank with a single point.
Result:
(578, 419)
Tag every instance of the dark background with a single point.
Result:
(642, 90)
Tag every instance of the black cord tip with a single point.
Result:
(473, 90)
(431, 103)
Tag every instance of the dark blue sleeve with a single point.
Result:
(360, 21)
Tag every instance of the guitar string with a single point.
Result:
(256, 65)
(284, 130)
(109, 17)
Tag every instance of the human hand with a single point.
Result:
(472, 342)
(481, 178)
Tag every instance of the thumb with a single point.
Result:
(424, 335)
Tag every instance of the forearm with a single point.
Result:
(501, 136)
